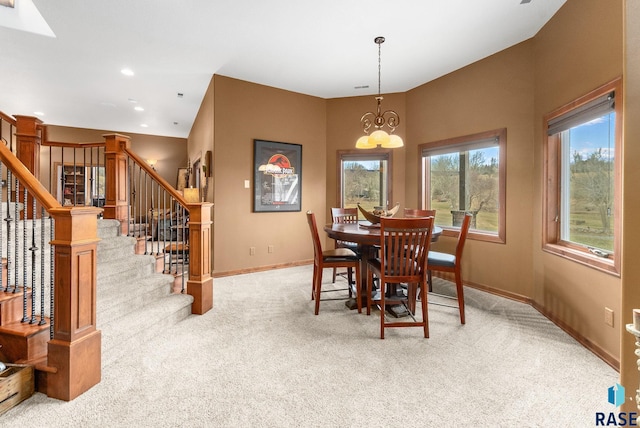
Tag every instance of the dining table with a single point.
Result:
(367, 236)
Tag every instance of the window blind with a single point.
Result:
(594, 109)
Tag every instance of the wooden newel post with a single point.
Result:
(116, 205)
(28, 142)
(200, 282)
(75, 350)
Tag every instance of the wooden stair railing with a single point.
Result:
(119, 160)
(73, 357)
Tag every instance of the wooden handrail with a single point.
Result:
(7, 118)
(73, 145)
(27, 179)
(164, 183)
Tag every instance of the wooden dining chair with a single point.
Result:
(344, 215)
(404, 245)
(338, 257)
(444, 262)
(416, 212)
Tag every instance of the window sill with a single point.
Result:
(476, 235)
(606, 265)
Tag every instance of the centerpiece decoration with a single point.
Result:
(374, 216)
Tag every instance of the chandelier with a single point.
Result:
(388, 118)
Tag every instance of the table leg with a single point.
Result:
(366, 252)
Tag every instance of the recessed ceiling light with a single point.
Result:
(144, 125)
(138, 108)
(127, 72)
(180, 95)
(175, 123)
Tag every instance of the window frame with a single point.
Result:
(552, 196)
(467, 141)
(372, 154)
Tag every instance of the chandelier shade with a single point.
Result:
(379, 120)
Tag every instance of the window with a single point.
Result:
(582, 199)
(466, 174)
(364, 178)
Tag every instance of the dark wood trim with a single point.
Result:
(72, 145)
(353, 152)
(261, 268)
(501, 135)
(597, 350)
(551, 242)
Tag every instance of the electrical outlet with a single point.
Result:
(270, 249)
(252, 251)
(608, 316)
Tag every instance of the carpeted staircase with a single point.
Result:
(134, 302)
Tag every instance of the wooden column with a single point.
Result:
(75, 350)
(200, 283)
(116, 198)
(28, 143)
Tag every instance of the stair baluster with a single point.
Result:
(42, 232)
(33, 250)
(25, 317)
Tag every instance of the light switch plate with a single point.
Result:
(246, 184)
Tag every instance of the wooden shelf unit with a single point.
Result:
(74, 184)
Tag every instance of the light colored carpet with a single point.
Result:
(261, 358)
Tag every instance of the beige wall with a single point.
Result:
(494, 93)
(244, 112)
(579, 50)
(201, 138)
(631, 176)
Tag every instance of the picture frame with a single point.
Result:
(277, 176)
(182, 179)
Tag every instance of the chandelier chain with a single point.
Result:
(379, 66)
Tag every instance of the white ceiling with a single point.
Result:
(321, 48)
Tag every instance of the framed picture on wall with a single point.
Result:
(277, 176)
(183, 178)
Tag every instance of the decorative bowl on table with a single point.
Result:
(374, 216)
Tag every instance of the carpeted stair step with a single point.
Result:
(108, 228)
(127, 269)
(116, 300)
(122, 334)
(133, 302)
(115, 248)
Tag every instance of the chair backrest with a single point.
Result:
(344, 215)
(415, 212)
(404, 246)
(462, 237)
(317, 246)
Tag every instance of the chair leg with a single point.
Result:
(412, 291)
(429, 280)
(425, 311)
(350, 280)
(318, 289)
(333, 279)
(382, 309)
(358, 288)
(460, 292)
(313, 282)
(369, 290)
